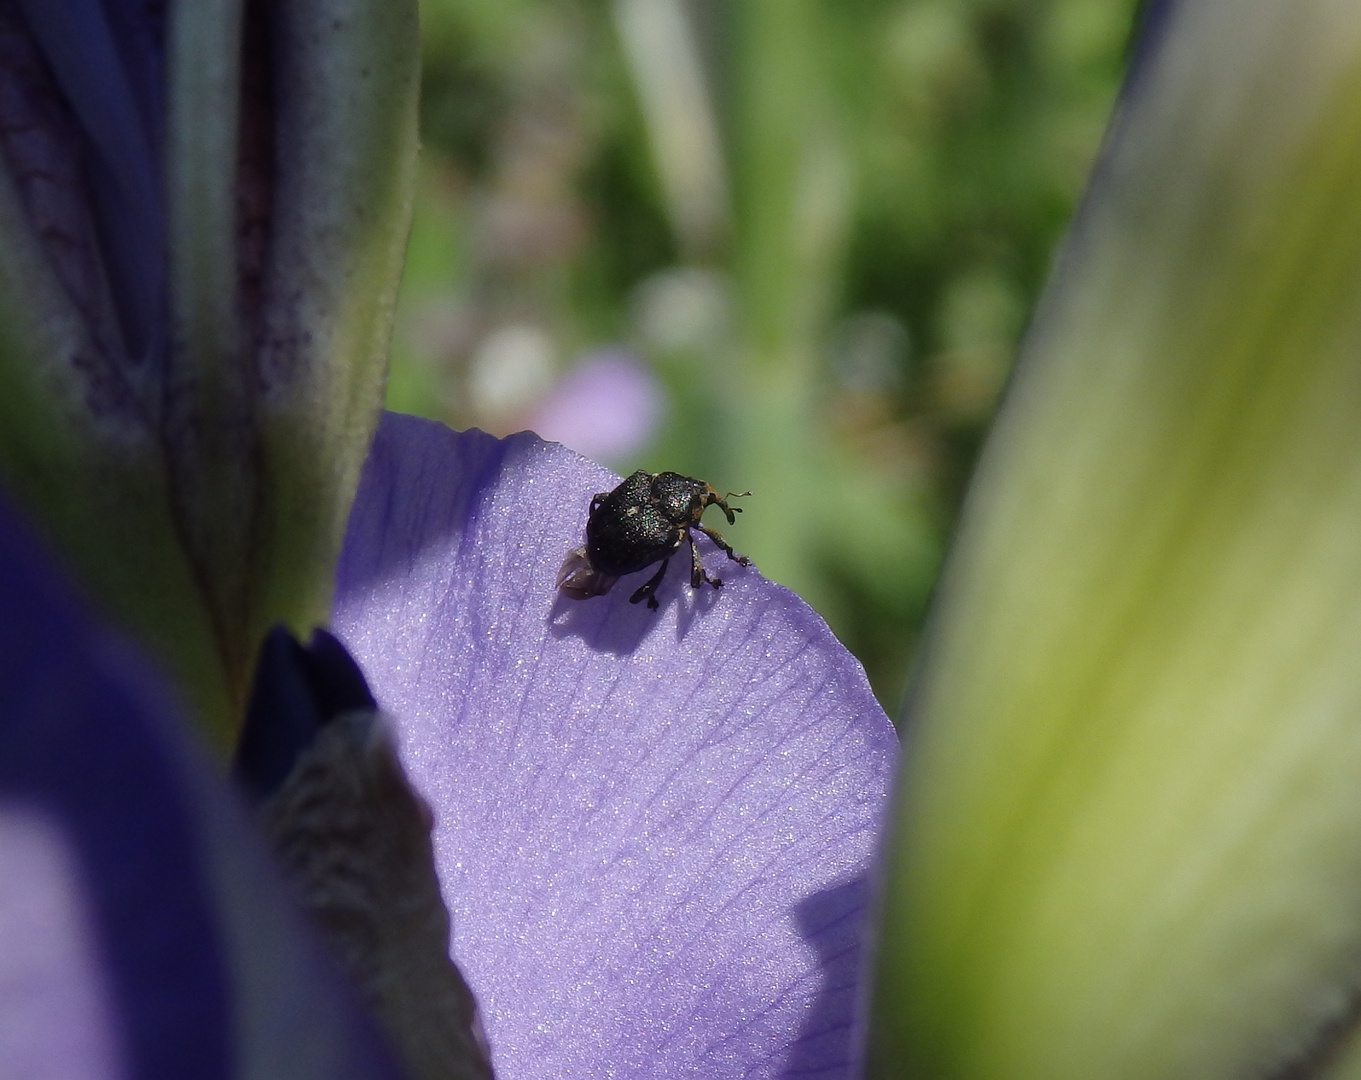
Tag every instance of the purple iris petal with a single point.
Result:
(56, 1015)
(654, 829)
(131, 881)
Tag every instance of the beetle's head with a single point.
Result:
(712, 498)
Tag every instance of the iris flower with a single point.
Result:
(653, 830)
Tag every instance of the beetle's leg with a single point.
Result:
(697, 575)
(714, 535)
(650, 588)
(597, 499)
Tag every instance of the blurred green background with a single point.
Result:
(787, 246)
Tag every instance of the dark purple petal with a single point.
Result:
(654, 829)
(1151, 20)
(107, 57)
(298, 689)
(130, 879)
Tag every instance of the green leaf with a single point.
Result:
(1129, 834)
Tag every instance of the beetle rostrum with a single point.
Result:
(643, 521)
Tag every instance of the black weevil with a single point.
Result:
(644, 520)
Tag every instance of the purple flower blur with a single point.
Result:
(608, 408)
(654, 830)
(143, 933)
